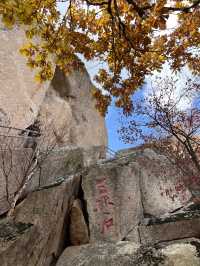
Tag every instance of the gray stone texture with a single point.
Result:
(47, 210)
(167, 231)
(64, 106)
(112, 196)
(20, 96)
(162, 183)
(63, 162)
(78, 229)
(119, 193)
(68, 114)
(129, 254)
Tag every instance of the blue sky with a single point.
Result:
(113, 116)
(112, 124)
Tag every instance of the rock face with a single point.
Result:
(50, 225)
(162, 186)
(20, 96)
(129, 254)
(181, 255)
(73, 199)
(112, 193)
(68, 108)
(169, 230)
(63, 106)
(122, 192)
(99, 255)
(44, 215)
(78, 229)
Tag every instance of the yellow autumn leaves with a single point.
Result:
(120, 33)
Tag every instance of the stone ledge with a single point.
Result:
(169, 231)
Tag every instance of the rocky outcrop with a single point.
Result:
(112, 194)
(182, 254)
(68, 113)
(57, 164)
(162, 183)
(64, 109)
(43, 217)
(78, 229)
(20, 96)
(129, 254)
(182, 226)
(102, 205)
(123, 193)
(74, 198)
(63, 106)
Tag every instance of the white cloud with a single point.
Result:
(180, 78)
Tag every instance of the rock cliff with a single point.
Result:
(63, 106)
(97, 216)
(79, 208)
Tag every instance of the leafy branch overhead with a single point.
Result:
(123, 34)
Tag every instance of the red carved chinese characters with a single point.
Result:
(104, 205)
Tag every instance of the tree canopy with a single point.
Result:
(129, 36)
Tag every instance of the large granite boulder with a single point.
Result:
(68, 111)
(63, 162)
(99, 254)
(64, 106)
(162, 184)
(20, 96)
(39, 232)
(129, 254)
(183, 225)
(113, 200)
(121, 192)
(78, 228)
(182, 254)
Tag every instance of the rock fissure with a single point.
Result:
(84, 204)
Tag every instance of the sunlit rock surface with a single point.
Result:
(64, 106)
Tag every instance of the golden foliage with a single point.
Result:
(124, 34)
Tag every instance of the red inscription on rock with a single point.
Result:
(104, 205)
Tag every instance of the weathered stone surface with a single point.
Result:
(162, 186)
(17, 241)
(177, 228)
(181, 255)
(11, 231)
(64, 106)
(119, 192)
(20, 96)
(100, 254)
(63, 162)
(47, 210)
(68, 112)
(129, 254)
(59, 163)
(112, 195)
(93, 154)
(78, 229)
